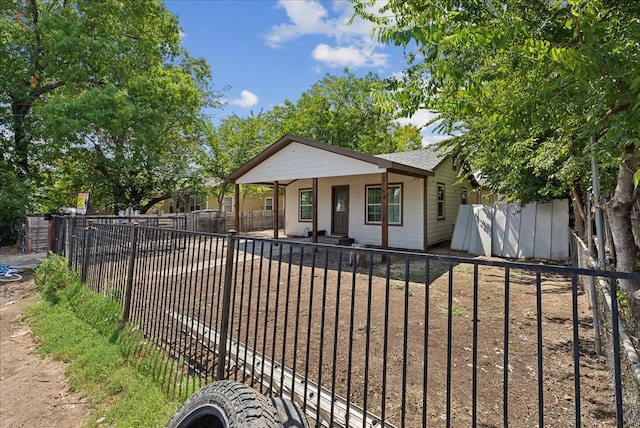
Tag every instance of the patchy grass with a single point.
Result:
(109, 361)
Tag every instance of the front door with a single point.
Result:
(340, 218)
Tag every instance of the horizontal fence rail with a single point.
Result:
(362, 337)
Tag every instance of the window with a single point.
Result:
(227, 204)
(194, 203)
(440, 200)
(374, 204)
(463, 195)
(306, 205)
(268, 203)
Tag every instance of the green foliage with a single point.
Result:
(231, 144)
(623, 304)
(14, 204)
(523, 85)
(54, 275)
(108, 90)
(341, 110)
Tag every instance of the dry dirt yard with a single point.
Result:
(33, 390)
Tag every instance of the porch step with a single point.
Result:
(335, 240)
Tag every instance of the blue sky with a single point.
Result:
(266, 51)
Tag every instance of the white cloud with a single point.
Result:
(247, 99)
(420, 118)
(347, 56)
(433, 139)
(346, 45)
(306, 17)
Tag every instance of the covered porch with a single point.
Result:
(321, 200)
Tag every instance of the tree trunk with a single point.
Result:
(579, 213)
(619, 215)
(146, 207)
(20, 109)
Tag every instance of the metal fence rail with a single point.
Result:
(364, 337)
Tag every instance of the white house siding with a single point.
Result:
(409, 235)
(440, 230)
(297, 161)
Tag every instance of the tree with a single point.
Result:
(528, 84)
(105, 82)
(340, 110)
(138, 138)
(233, 143)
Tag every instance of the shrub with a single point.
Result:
(53, 275)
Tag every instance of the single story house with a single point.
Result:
(406, 200)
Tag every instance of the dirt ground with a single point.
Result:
(33, 390)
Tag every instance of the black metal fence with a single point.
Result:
(361, 337)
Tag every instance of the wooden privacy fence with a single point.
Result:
(36, 228)
(510, 230)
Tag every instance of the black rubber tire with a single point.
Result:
(225, 404)
(289, 413)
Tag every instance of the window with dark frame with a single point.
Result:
(306, 205)
(194, 203)
(463, 196)
(373, 213)
(440, 200)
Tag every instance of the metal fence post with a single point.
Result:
(226, 303)
(86, 253)
(72, 241)
(132, 263)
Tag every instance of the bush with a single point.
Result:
(53, 275)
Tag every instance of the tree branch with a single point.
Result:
(614, 110)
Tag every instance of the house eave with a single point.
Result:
(382, 164)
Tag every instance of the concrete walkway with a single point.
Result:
(30, 260)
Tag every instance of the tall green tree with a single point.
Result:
(140, 138)
(340, 110)
(105, 82)
(528, 85)
(232, 143)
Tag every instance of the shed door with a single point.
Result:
(340, 207)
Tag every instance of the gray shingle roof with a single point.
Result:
(427, 159)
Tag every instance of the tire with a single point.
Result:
(10, 277)
(225, 404)
(289, 413)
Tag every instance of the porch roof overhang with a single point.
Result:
(294, 158)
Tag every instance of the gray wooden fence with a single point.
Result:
(510, 230)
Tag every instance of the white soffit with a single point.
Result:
(299, 161)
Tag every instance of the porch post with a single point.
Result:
(236, 206)
(314, 210)
(385, 210)
(276, 210)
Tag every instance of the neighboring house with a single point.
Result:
(340, 192)
(252, 201)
